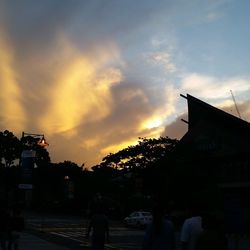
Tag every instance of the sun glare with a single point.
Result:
(153, 123)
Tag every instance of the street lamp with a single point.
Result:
(37, 139)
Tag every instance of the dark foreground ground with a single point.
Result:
(60, 232)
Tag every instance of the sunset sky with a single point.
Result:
(94, 75)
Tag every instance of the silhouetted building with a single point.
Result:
(214, 154)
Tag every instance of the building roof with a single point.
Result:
(216, 143)
(213, 132)
(199, 110)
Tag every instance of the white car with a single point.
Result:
(138, 219)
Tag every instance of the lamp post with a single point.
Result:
(38, 139)
(30, 143)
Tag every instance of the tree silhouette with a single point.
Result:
(10, 148)
(140, 156)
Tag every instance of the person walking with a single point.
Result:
(160, 234)
(99, 226)
(4, 227)
(191, 228)
(16, 226)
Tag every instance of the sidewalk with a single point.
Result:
(30, 242)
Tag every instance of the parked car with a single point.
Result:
(138, 219)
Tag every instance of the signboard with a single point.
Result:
(25, 186)
(27, 166)
(28, 154)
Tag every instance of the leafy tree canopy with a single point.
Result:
(139, 156)
(10, 148)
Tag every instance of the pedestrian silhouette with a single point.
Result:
(16, 226)
(4, 227)
(160, 233)
(99, 227)
(191, 228)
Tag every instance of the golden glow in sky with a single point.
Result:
(115, 148)
(10, 92)
(94, 76)
(153, 123)
(79, 93)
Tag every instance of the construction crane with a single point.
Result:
(236, 107)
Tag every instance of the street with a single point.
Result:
(70, 231)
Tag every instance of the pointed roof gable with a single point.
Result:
(213, 131)
(199, 110)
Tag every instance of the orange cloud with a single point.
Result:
(116, 147)
(12, 116)
(81, 91)
(156, 121)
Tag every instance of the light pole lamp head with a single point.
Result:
(34, 139)
(42, 142)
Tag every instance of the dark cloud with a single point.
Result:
(122, 123)
(177, 128)
(120, 126)
(48, 40)
(33, 25)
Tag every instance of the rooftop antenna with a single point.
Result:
(235, 104)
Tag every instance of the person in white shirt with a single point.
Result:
(191, 230)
